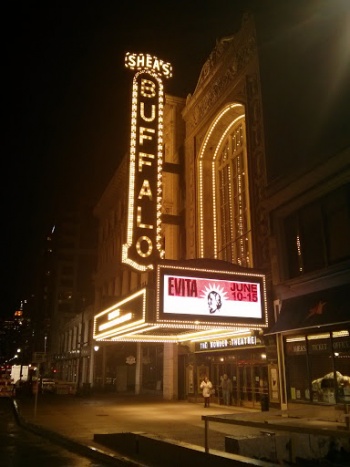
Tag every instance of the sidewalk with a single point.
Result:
(80, 418)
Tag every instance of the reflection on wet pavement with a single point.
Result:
(21, 448)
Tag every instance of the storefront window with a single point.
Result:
(318, 367)
(321, 368)
(297, 365)
(341, 354)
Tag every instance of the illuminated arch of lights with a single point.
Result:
(214, 127)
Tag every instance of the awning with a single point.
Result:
(322, 308)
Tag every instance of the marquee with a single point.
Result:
(188, 303)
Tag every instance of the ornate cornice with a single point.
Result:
(224, 66)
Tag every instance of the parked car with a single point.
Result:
(48, 385)
(6, 387)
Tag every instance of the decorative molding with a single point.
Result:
(224, 66)
(257, 170)
(231, 74)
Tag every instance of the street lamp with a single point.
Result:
(96, 349)
(21, 363)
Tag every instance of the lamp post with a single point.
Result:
(36, 389)
(96, 349)
(21, 363)
(80, 343)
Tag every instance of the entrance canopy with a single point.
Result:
(191, 300)
(322, 308)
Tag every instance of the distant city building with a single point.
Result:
(16, 339)
(66, 283)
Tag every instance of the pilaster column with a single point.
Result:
(138, 369)
(170, 372)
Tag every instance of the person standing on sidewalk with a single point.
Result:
(206, 387)
(226, 387)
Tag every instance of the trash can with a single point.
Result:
(264, 400)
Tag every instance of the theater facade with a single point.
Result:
(193, 252)
(185, 292)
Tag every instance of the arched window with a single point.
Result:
(234, 230)
(225, 229)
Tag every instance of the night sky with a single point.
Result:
(67, 104)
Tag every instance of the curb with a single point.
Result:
(73, 446)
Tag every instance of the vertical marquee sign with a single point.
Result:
(143, 237)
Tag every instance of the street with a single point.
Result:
(21, 448)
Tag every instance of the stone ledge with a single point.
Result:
(280, 448)
(157, 451)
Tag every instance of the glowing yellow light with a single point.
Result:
(156, 69)
(115, 322)
(202, 204)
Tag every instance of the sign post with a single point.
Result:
(36, 391)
